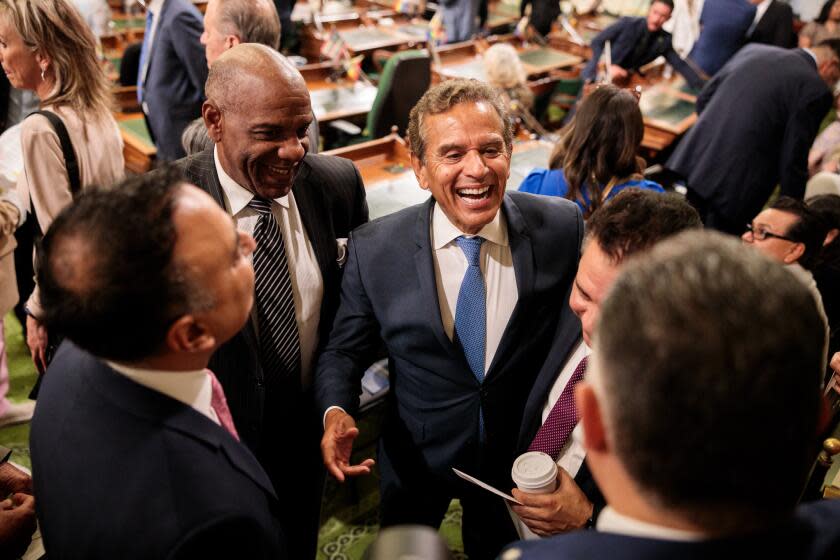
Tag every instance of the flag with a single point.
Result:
(437, 34)
(334, 47)
(353, 67)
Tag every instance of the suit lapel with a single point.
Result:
(523, 267)
(426, 276)
(319, 227)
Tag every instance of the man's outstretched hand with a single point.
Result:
(337, 445)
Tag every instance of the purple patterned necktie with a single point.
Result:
(552, 435)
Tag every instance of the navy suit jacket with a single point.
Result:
(812, 534)
(748, 139)
(122, 471)
(624, 35)
(723, 29)
(330, 197)
(389, 291)
(173, 90)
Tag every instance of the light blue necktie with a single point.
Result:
(471, 313)
(144, 53)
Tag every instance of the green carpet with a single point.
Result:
(22, 377)
(349, 511)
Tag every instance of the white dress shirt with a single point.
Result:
(610, 521)
(496, 266)
(760, 10)
(307, 284)
(193, 388)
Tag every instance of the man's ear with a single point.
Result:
(794, 253)
(419, 171)
(189, 335)
(231, 41)
(212, 120)
(589, 411)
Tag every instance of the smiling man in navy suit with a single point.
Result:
(134, 452)
(706, 358)
(464, 291)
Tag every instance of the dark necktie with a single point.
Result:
(552, 435)
(279, 338)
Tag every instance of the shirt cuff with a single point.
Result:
(324, 419)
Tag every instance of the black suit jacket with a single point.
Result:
(389, 290)
(330, 198)
(812, 534)
(568, 335)
(748, 139)
(122, 471)
(775, 27)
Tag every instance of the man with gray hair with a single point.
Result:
(707, 355)
(300, 208)
(463, 289)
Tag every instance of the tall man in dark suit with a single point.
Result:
(134, 453)
(635, 41)
(463, 289)
(300, 208)
(707, 356)
(757, 120)
(773, 24)
(627, 227)
(172, 72)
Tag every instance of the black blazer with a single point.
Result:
(389, 290)
(122, 471)
(812, 534)
(567, 336)
(748, 139)
(331, 200)
(775, 27)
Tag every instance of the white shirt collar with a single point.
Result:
(193, 388)
(238, 196)
(610, 521)
(810, 52)
(444, 231)
(155, 6)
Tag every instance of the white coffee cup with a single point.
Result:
(535, 473)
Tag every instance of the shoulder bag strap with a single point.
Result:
(70, 161)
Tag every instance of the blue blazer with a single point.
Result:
(389, 291)
(624, 35)
(748, 139)
(723, 29)
(122, 471)
(173, 90)
(812, 534)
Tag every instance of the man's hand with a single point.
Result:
(13, 480)
(337, 445)
(17, 523)
(565, 509)
(36, 339)
(617, 73)
(835, 365)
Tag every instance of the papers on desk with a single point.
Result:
(387, 197)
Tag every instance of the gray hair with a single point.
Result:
(253, 21)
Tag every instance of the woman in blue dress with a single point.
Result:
(596, 156)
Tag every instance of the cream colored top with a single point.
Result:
(44, 184)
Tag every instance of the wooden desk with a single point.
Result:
(668, 112)
(342, 101)
(463, 60)
(138, 151)
(390, 184)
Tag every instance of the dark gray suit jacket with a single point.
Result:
(748, 139)
(122, 471)
(389, 291)
(173, 90)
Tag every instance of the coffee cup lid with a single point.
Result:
(534, 469)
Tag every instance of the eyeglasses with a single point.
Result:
(760, 234)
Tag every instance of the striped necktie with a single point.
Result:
(279, 338)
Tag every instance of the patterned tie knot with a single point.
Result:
(471, 246)
(260, 205)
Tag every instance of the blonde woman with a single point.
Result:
(505, 72)
(46, 47)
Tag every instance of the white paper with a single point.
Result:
(486, 486)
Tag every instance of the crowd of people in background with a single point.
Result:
(201, 331)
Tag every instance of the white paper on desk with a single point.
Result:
(486, 486)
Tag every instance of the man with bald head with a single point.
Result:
(300, 208)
